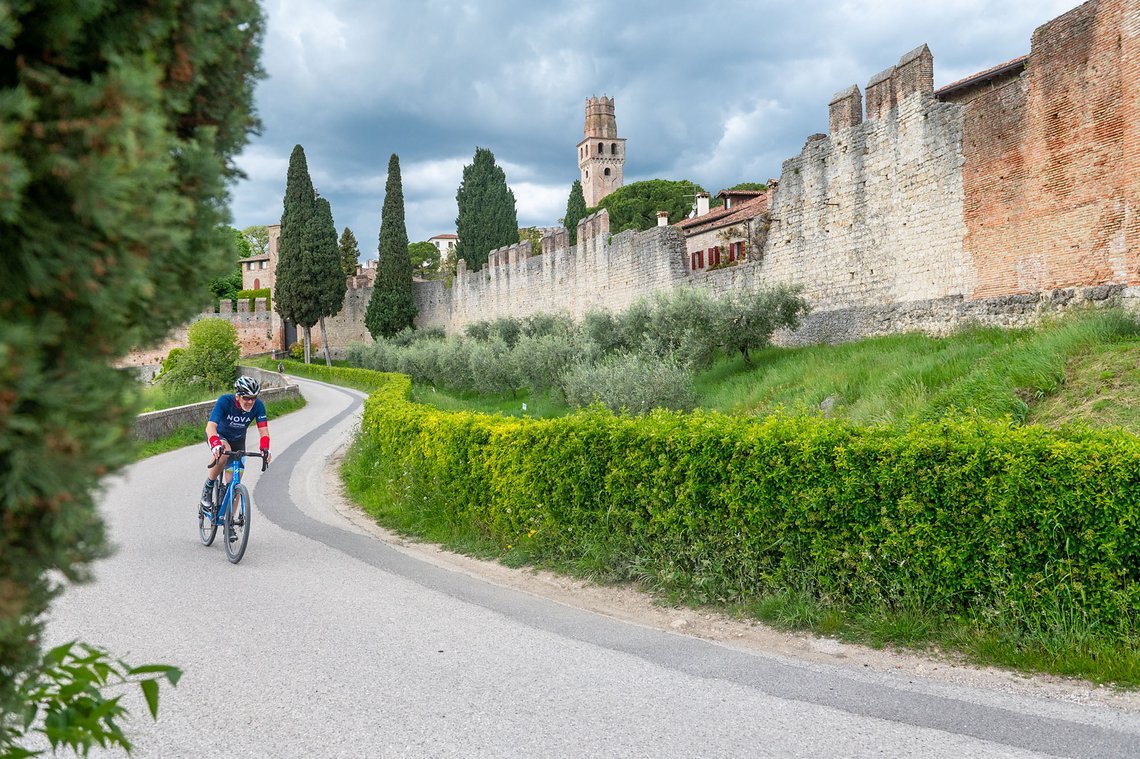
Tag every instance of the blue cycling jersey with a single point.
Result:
(232, 421)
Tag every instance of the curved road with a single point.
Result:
(327, 642)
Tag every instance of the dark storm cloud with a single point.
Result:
(717, 93)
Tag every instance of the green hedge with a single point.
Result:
(984, 520)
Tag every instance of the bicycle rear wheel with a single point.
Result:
(237, 524)
(207, 525)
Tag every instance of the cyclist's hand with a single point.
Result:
(217, 452)
(266, 454)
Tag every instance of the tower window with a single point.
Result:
(607, 172)
(601, 148)
(613, 148)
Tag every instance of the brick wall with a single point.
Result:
(258, 331)
(1050, 174)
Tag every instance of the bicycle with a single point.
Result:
(231, 508)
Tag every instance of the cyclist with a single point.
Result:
(231, 417)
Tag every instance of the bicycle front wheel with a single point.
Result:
(207, 525)
(237, 524)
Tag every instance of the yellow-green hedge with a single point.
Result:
(1017, 524)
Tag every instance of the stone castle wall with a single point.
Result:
(872, 213)
(258, 331)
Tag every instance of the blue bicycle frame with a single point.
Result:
(233, 510)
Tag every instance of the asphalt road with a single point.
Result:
(326, 642)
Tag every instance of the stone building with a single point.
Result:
(601, 153)
(445, 244)
(257, 271)
(729, 234)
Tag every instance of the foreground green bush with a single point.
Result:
(210, 358)
(1007, 526)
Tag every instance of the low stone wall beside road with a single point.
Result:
(158, 424)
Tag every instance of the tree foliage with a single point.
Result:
(391, 307)
(575, 210)
(635, 206)
(120, 125)
(349, 253)
(487, 217)
(210, 358)
(228, 285)
(298, 297)
(329, 270)
(425, 259)
(258, 238)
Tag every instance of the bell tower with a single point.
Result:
(601, 153)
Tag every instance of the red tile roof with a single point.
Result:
(981, 76)
(725, 216)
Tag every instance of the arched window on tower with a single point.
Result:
(256, 284)
(613, 148)
(601, 148)
(607, 172)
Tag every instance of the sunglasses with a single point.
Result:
(248, 397)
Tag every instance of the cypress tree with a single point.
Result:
(392, 307)
(297, 292)
(487, 217)
(121, 125)
(349, 252)
(575, 210)
(328, 273)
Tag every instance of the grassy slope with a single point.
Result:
(1082, 369)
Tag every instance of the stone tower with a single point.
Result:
(601, 153)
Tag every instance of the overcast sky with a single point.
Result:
(714, 92)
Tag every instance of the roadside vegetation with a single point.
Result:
(192, 434)
(1078, 374)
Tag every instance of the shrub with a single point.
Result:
(631, 383)
(543, 360)
(210, 358)
(253, 295)
(297, 351)
(1008, 526)
(171, 360)
(492, 370)
(540, 325)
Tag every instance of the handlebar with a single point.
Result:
(236, 454)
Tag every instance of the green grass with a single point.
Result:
(544, 406)
(911, 377)
(163, 396)
(191, 434)
(374, 486)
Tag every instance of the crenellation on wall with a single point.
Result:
(845, 110)
(599, 272)
(914, 73)
(880, 94)
(874, 214)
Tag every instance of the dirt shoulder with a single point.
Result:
(630, 605)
